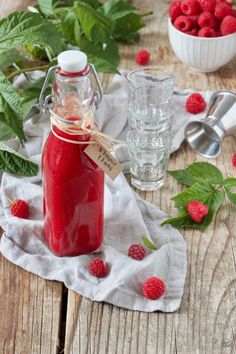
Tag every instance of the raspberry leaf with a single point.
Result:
(197, 172)
(230, 189)
(22, 28)
(149, 244)
(11, 111)
(12, 162)
(202, 192)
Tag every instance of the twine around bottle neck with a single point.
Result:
(85, 126)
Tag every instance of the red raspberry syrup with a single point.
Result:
(73, 188)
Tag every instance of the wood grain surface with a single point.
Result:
(206, 320)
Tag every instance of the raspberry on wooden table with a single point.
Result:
(142, 57)
(234, 160)
(20, 209)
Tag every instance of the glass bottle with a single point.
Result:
(73, 185)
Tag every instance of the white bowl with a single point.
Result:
(202, 54)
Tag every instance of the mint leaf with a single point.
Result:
(12, 162)
(230, 189)
(196, 172)
(105, 59)
(22, 28)
(149, 244)
(96, 26)
(11, 112)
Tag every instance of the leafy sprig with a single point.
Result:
(207, 185)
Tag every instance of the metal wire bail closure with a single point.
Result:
(44, 102)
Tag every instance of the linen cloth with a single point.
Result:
(127, 219)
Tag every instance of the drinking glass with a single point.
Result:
(150, 116)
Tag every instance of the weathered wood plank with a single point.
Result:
(30, 312)
(206, 321)
(30, 306)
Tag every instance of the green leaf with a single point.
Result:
(96, 26)
(46, 6)
(149, 244)
(12, 162)
(10, 57)
(117, 9)
(22, 28)
(202, 192)
(126, 28)
(230, 189)
(93, 3)
(71, 28)
(105, 59)
(11, 112)
(196, 172)
(6, 132)
(182, 220)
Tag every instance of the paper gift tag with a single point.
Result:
(104, 159)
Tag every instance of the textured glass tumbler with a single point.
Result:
(150, 120)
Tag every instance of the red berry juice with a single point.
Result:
(73, 188)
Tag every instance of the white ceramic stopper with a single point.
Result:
(72, 61)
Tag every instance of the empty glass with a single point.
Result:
(150, 120)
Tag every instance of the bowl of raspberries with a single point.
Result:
(202, 33)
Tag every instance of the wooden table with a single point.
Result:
(43, 317)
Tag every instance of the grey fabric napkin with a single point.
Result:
(127, 219)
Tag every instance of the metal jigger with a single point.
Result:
(205, 137)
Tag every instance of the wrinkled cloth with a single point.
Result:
(126, 219)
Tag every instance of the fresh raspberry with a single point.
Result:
(190, 7)
(222, 10)
(206, 19)
(142, 58)
(234, 160)
(207, 5)
(98, 267)
(195, 103)
(175, 9)
(136, 251)
(194, 19)
(153, 288)
(193, 32)
(20, 209)
(197, 210)
(183, 23)
(228, 2)
(228, 25)
(207, 32)
(233, 13)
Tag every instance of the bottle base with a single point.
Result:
(147, 186)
